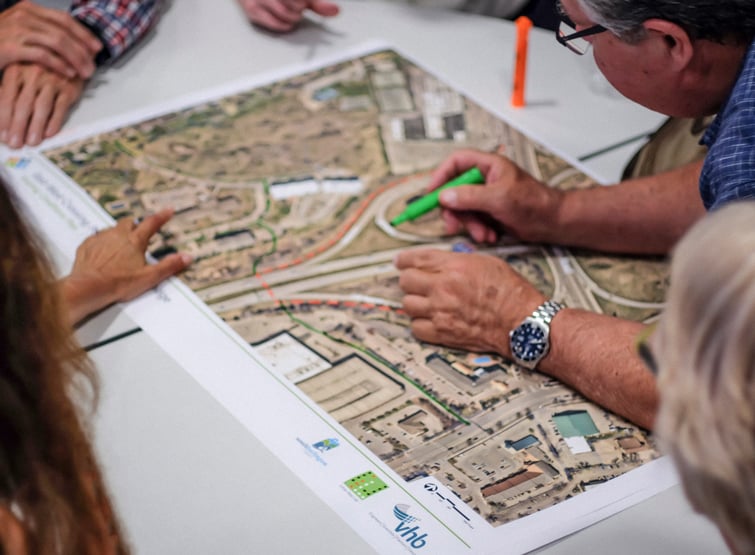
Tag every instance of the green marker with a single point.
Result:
(432, 199)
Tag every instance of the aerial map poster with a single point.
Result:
(282, 192)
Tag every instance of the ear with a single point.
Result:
(675, 40)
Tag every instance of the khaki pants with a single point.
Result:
(674, 144)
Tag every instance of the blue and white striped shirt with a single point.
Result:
(729, 169)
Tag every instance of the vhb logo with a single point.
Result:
(411, 534)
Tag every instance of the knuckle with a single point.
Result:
(423, 257)
(405, 278)
(443, 321)
(11, 73)
(457, 273)
(410, 306)
(29, 76)
(421, 331)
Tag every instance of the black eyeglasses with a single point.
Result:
(642, 345)
(567, 34)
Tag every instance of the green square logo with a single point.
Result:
(365, 485)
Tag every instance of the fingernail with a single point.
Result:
(33, 139)
(448, 197)
(15, 141)
(186, 258)
(3, 136)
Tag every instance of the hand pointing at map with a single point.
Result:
(110, 266)
(284, 15)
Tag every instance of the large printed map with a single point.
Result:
(283, 194)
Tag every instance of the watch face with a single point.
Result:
(528, 342)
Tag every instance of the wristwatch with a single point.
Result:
(530, 341)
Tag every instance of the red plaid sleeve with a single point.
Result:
(118, 23)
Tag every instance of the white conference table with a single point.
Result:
(186, 477)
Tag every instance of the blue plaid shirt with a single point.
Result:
(729, 168)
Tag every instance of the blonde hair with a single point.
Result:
(706, 355)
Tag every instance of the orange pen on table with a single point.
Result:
(523, 26)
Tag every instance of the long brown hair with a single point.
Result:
(48, 477)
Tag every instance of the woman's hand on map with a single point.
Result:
(511, 199)
(48, 37)
(284, 15)
(466, 301)
(110, 266)
(34, 103)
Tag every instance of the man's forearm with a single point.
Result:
(642, 216)
(595, 355)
